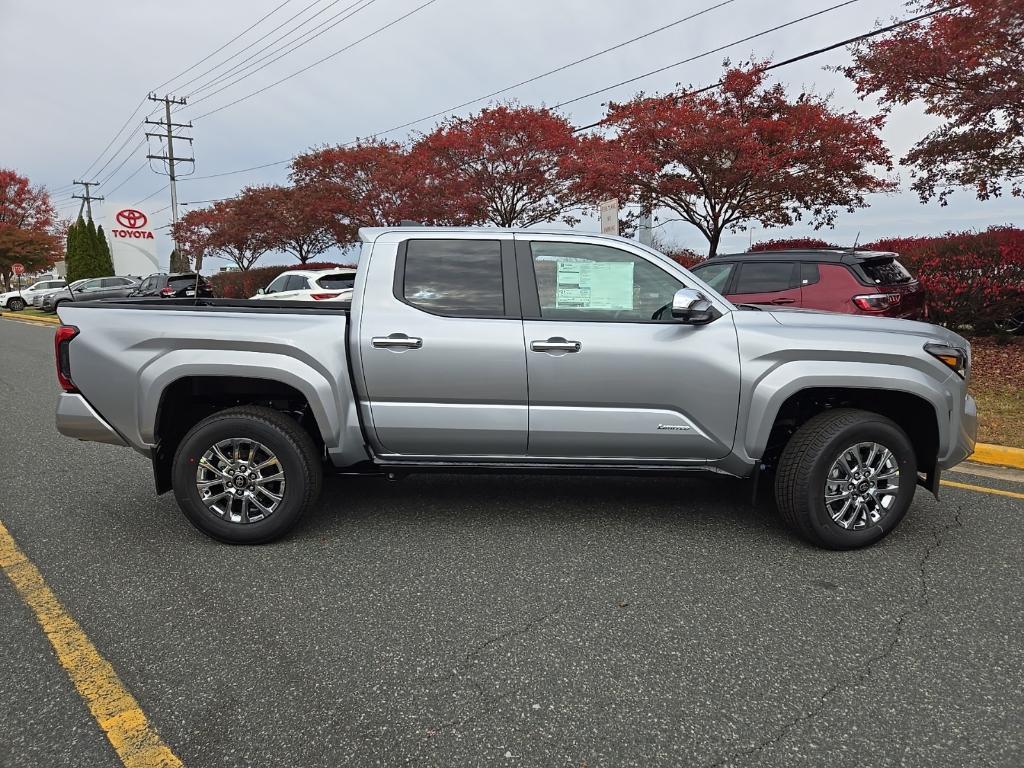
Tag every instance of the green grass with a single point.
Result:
(997, 382)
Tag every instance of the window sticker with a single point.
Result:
(594, 285)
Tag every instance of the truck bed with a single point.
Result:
(220, 305)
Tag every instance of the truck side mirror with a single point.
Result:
(692, 307)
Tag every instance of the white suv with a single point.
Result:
(18, 300)
(332, 284)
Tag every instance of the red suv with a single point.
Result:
(857, 282)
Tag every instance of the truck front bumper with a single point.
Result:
(966, 438)
(76, 418)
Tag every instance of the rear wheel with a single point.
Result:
(246, 475)
(16, 304)
(846, 478)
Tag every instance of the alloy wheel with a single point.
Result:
(240, 480)
(861, 485)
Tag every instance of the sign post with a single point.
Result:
(609, 216)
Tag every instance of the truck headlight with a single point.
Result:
(952, 357)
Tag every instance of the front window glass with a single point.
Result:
(715, 275)
(578, 281)
(277, 284)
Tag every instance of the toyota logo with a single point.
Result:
(131, 218)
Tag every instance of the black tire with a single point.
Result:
(807, 460)
(292, 445)
(16, 304)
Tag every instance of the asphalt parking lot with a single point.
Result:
(519, 621)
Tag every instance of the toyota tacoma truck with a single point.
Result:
(516, 351)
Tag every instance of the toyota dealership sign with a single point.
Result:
(133, 243)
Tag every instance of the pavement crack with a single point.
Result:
(918, 605)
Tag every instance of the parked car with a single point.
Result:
(854, 282)
(93, 289)
(516, 350)
(310, 285)
(176, 285)
(17, 300)
(50, 300)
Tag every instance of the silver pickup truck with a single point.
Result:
(491, 349)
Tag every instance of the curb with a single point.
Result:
(29, 319)
(999, 455)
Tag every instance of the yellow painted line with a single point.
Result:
(30, 319)
(1001, 455)
(116, 711)
(982, 489)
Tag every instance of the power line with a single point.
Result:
(127, 157)
(116, 135)
(296, 44)
(255, 24)
(809, 54)
(257, 40)
(556, 70)
(719, 49)
(129, 178)
(152, 195)
(321, 60)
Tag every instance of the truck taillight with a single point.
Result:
(876, 302)
(61, 342)
(322, 296)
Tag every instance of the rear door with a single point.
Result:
(612, 376)
(441, 348)
(766, 282)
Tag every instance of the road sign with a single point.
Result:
(18, 269)
(609, 216)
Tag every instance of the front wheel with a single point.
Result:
(246, 475)
(846, 478)
(16, 304)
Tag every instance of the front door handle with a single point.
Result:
(397, 341)
(783, 301)
(555, 344)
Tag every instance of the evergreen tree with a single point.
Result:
(73, 259)
(105, 260)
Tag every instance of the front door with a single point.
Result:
(611, 374)
(441, 349)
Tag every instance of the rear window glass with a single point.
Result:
(455, 277)
(178, 282)
(885, 271)
(336, 282)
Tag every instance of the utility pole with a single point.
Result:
(645, 229)
(88, 197)
(169, 136)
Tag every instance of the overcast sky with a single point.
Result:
(75, 71)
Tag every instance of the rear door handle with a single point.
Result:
(555, 344)
(397, 341)
(783, 301)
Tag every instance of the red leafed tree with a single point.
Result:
(509, 165)
(288, 219)
(967, 66)
(370, 184)
(28, 230)
(745, 153)
(225, 230)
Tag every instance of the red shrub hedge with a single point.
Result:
(242, 285)
(970, 278)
